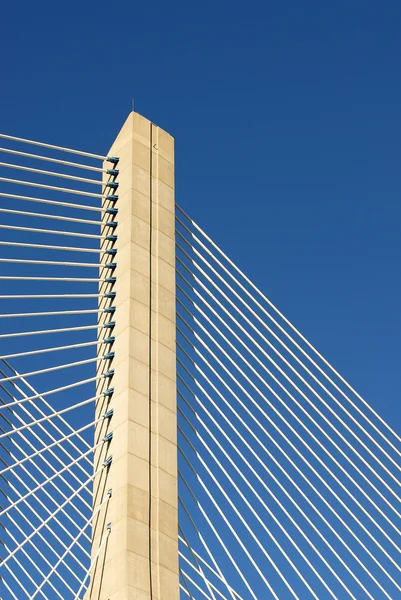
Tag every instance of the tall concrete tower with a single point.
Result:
(140, 559)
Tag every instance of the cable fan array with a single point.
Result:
(289, 479)
(57, 261)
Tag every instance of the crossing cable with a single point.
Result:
(43, 443)
(56, 473)
(183, 557)
(52, 410)
(50, 479)
(94, 561)
(42, 537)
(296, 331)
(227, 522)
(51, 369)
(54, 415)
(48, 519)
(48, 511)
(254, 314)
(47, 447)
(66, 552)
(188, 578)
(30, 559)
(60, 148)
(56, 263)
(195, 557)
(110, 210)
(219, 573)
(237, 324)
(59, 161)
(185, 589)
(53, 391)
(254, 512)
(294, 465)
(215, 573)
(288, 409)
(288, 515)
(207, 582)
(212, 527)
(27, 574)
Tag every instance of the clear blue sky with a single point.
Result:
(287, 125)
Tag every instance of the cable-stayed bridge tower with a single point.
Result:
(165, 431)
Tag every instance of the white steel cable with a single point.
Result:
(55, 188)
(289, 410)
(237, 324)
(47, 447)
(87, 236)
(50, 173)
(102, 544)
(212, 527)
(227, 522)
(276, 337)
(52, 314)
(59, 263)
(53, 147)
(61, 330)
(50, 247)
(256, 515)
(68, 550)
(55, 202)
(26, 213)
(304, 339)
(53, 296)
(54, 160)
(294, 465)
(76, 279)
(288, 515)
(56, 349)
